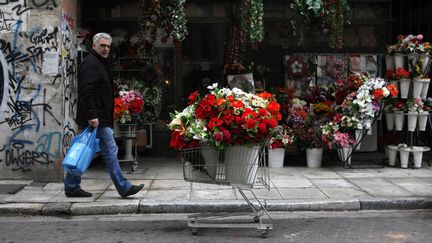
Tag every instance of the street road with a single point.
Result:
(365, 226)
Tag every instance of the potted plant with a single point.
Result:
(128, 106)
(337, 139)
(277, 144)
(328, 16)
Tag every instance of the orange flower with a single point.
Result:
(393, 90)
(273, 107)
(119, 107)
(265, 95)
(237, 104)
(220, 101)
(378, 94)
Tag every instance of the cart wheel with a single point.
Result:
(194, 231)
(256, 219)
(263, 234)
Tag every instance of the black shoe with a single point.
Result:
(133, 190)
(78, 193)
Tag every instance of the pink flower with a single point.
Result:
(420, 37)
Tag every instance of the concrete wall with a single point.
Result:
(37, 87)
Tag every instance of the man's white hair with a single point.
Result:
(99, 36)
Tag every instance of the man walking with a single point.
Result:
(95, 108)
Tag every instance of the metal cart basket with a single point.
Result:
(243, 168)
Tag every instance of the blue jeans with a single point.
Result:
(109, 149)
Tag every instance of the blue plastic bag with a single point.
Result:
(82, 150)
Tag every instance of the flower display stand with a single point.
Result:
(276, 157)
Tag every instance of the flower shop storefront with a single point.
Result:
(336, 88)
(312, 58)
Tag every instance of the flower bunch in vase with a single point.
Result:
(406, 44)
(414, 104)
(127, 106)
(282, 137)
(366, 102)
(401, 73)
(305, 124)
(223, 118)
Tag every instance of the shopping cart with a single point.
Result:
(243, 168)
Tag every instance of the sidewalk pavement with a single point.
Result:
(293, 188)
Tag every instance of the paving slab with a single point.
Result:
(419, 190)
(343, 193)
(332, 183)
(302, 193)
(261, 193)
(321, 174)
(3, 197)
(370, 182)
(285, 172)
(24, 182)
(94, 185)
(219, 194)
(32, 195)
(61, 197)
(387, 191)
(170, 185)
(422, 172)
(406, 181)
(168, 195)
(292, 182)
(113, 195)
(54, 186)
(10, 188)
(147, 184)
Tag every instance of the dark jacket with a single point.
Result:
(95, 91)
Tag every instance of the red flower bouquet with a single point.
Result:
(281, 138)
(127, 106)
(225, 117)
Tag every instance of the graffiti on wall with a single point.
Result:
(32, 105)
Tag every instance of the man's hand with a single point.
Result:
(94, 122)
